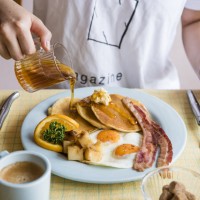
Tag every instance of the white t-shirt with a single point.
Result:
(116, 43)
(193, 4)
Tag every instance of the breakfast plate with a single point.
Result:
(161, 112)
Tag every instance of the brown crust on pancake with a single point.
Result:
(116, 115)
(85, 111)
(61, 106)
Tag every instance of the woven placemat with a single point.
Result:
(61, 188)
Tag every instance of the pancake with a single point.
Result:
(85, 111)
(61, 106)
(116, 115)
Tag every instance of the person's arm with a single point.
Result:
(16, 28)
(191, 37)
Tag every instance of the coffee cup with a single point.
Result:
(24, 175)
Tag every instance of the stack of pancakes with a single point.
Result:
(92, 116)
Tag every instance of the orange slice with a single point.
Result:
(68, 122)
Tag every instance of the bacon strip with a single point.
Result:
(166, 151)
(153, 136)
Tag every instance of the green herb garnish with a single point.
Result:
(55, 133)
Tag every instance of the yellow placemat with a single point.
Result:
(62, 189)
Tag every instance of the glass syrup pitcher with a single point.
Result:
(45, 68)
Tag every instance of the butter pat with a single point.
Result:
(101, 96)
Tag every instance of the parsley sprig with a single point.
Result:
(55, 133)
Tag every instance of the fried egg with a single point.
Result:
(118, 149)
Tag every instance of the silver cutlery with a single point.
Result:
(4, 109)
(194, 105)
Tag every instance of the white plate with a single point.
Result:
(164, 114)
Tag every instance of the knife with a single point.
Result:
(194, 105)
(4, 110)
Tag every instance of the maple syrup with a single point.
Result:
(35, 74)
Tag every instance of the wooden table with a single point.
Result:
(61, 188)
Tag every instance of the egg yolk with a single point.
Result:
(108, 136)
(126, 149)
